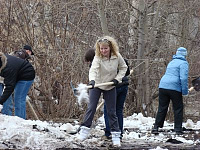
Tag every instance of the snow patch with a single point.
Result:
(82, 94)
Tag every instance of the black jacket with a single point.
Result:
(14, 69)
(125, 79)
(128, 69)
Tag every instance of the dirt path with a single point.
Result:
(146, 144)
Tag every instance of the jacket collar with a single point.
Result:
(3, 60)
(179, 57)
(112, 57)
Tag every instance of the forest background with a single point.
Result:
(61, 31)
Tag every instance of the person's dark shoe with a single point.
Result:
(154, 131)
(179, 132)
(106, 138)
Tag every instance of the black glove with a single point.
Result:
(196, 83)
(125, 80)
(196, 87)
(115, 82)
(92, 83)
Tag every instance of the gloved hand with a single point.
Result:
(125, 80)
(115, 82)
(92, 83)
(196, 87)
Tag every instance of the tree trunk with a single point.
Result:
(103, 20)
(140, 55)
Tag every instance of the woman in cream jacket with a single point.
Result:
(108, 65)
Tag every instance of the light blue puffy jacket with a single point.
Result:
(176, 75)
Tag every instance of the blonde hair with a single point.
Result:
(107, 40)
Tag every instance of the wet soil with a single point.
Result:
(141, 144)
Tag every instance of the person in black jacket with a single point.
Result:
(122, 90)
(18, 77)
(24, 53)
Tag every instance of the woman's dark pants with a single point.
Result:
(110, 100)
(177, 102)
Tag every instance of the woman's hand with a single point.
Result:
(92, 83)
(115, 82)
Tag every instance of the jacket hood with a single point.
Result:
(3, 60)
(179, 57)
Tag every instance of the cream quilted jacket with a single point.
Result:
(105, 70)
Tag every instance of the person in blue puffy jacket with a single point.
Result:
(173, 85)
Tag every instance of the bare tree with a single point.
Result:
(103, 19)
(148, 33)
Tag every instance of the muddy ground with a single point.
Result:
(145, 144)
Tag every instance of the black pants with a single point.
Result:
(177, 103)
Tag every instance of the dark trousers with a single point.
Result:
(121, 97)
(177, 102)
(110, 100)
